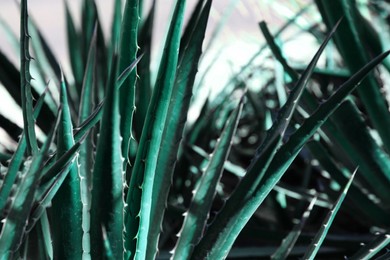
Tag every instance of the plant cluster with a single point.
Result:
(117, 171)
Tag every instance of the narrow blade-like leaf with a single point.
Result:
(14, 228)
(67, 205)
(319, 238)
(196, 217)
(16, 161)
(292, 237)
(139, 197)
(128, 48)
(107, 178)
(173, 132)
(25, 81)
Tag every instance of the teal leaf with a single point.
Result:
(196, 217)
(128, 48)
(25, 81)
(326, 224)
(16, 162)
(67, 204)
(289, 241)
(107, 178)
(355, 47)
(14, 228)
(139, 197)
(175, 123)
(46, 192)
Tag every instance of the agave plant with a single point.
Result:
(118, 164)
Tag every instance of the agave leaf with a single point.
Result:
(25, 78)
(322, 199)
(205, 129)
(35, 246)
(228, 166)
(328, 73)
(283, 158)
(64, 137)
(127, 72)
(89, 82)
(355, 47)
(128, 48)
(16, 161)
(277, 52)
(107, 183)
(196, 217)
(308, 128)
(43, 54)
(367, 207)
(74, 47)
(144, 85)
(4, 157)
(384, 256)
(102, 69)
(90, 122)
(173, 132)
(139, 197)
(284, 116)
(10, 78)
(308, 100)
(371, 249)
(320, 236)
(38, 243)
(368, 162)
(47, 64)
(49, 67)
(373, 161)
(46, 55)
(115, 29)
(67, 206)
(290, 150)
(292, 192)
(79, 134)
(97, 113)
(90, 21)
(85, 159)
(46, 235)
(288, 242)
(184, 160)
(191, 24)
(14, 228)
(46, 192)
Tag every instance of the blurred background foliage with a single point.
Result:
(256, 49)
